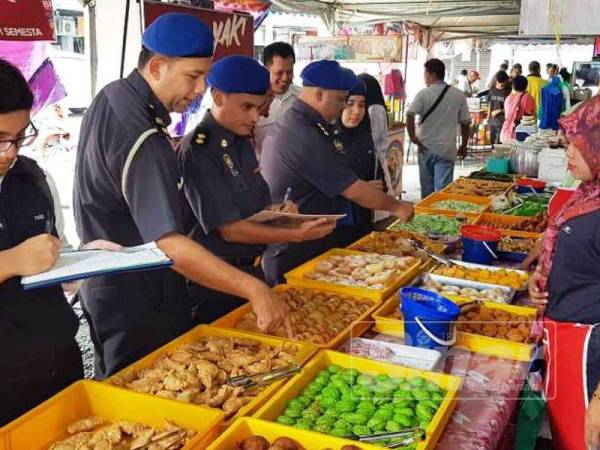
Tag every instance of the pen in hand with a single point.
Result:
(286, 197)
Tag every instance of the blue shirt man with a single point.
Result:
(128, 190)
(302, 152)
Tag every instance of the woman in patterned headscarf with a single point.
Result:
(566, 286)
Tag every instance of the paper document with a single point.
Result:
(80, 264)
(269, 216)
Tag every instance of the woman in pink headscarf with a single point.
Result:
(566, 286)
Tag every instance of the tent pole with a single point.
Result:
(124, 46)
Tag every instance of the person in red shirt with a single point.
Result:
(516, 105)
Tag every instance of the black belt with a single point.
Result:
(241, 261)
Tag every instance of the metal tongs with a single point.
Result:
(407, 437)
(261, 379)
(419, 245)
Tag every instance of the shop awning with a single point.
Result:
(454, 18)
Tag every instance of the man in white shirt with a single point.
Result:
(440, 108)
(279, 58)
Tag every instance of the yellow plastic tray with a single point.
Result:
(295, 277)
(474, 342)
(305, 352)
(426, 204)
(48, 422)
(276, 405)
(503, 186)
(355, 329)
(486, 218)
(310, 440)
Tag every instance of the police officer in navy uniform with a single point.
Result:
(302, 151)
(128, 190)
(223, 183)
(37, 327)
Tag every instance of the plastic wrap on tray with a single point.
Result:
(404, 355)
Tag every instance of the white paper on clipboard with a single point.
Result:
(270, 216)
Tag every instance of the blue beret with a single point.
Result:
(358, 88)
(239, 75)
(327, 74)
(179, 35)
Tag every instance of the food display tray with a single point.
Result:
(355, 329)
(48, 422)
(276, 405)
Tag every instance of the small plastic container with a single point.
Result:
(495, 165)
(527, 185)
(479, 243)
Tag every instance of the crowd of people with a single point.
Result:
(318, 148)
(133, 185)
(512, 96)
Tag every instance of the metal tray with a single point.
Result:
(510, 292)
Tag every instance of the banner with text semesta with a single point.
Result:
(234, 32)
(26, 20)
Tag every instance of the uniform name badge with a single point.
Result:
(230, 164)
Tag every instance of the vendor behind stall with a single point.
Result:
(128, 189)
(359, 153)
(37, 328)
(566, 285)
(301, 155)
(223, 183)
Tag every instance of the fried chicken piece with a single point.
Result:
(174, 383)
(224, 393)
(87, 424)
(187, 395)
(144, 385)
(165, 362)
(103, 444)
(166, 394)
(73, 442)
(233, 405)
(207, 372)
(142, 438)
(203, 398)
(111, 433)
(182, 356)
(131, 428)
(221, 346)
(209, 356)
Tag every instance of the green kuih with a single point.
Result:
(284, 420)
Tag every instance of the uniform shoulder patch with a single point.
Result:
(158, 122)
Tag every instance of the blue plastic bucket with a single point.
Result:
(479, 244)
(428, 319)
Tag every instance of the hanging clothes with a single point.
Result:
(552, 103)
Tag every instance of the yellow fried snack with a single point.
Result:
(501, 277)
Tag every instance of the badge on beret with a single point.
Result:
(230, 164)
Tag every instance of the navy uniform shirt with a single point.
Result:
(127, 184)
(574, 281)
(223, 184)
(302, 152)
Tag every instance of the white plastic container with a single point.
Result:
(403, 355)
(552, 164)
(522, 132)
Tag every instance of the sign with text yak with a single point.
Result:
(234, 32)
(26, 20)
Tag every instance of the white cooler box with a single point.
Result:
(552, 164)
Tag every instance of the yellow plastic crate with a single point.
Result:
(305, 352)
(487, 219)
(474, 342)
(503, 187)
(48, 422)
(355, 329)
(426, 204)
(296, 277)
(310, 440)
(276, 405)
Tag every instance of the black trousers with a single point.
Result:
(42, 371)
(133, 314)
(208, 305)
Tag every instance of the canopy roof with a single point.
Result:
(452, 17)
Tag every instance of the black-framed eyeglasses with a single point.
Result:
(27, 139)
